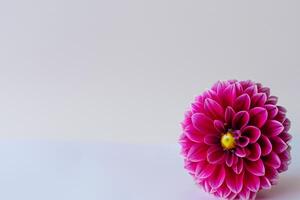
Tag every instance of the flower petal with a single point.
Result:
(190, 166)
(234, 181)
(251, 90)
(285, 156)
(219, 126)
(287, 124)
(258, 116)
(204, 170)
(272, 175)
(223, 191)
(193, 134)
(272, 110)
(265, 183)
(278, 144)
(203, 124)
(256, 168)
(280, 116)
(240, 152)
(265, 90)
(215, 154)
(197, 152)
(273, 160)
(272, 100)
(242, 103)
(255, 152)
(273, 128)
(229, 159)
(229, 95)
(243, 141)
(258, 99)
(218, 177)
(211, 139)
(238, 88)
(214, 108)
(253, 182)
(240, 120)
(244, 194)
(229, 114)
(285, 136)
(239, 166)
(252, 132)
(282, 109)
(265, 144)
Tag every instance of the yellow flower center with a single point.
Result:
(228, 141)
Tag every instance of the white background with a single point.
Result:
(79, 78)
(126, 70)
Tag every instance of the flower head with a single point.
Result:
(235, 139)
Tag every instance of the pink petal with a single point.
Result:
(190, 166)
(229, 114)
(253, 182)
(272, 110)
(240, 152)
(258, 99)
(287, 124)
(193, 134)
(239, 166)
(252, 132)
(218, 177)
(272, 100)
(247, 83)
(242, 103)
(283, 167)
(258, 116)
(253, 195)
(214, 108)
(273, 160)
(197, 107)
(282, 109)
(205, 170)
(273, 128)
(265, 183)
(243, 141)
(256, 168)
(280, 116)
(223, 191)
(240, 120)
(229, 159)
(229, 95)
(197, 152)
(219, 126)
(206, 186)
(265, 145)
(203, 124)
(272, 175)
(278, 144)
(255, 152)
(285, 136)
(211, 139)
(265, 90)
(285, 156)
(251, 90)
(238, 88)
(221, 85)
(244, 194)
(234, 181)
(215, 154)
(232, 196)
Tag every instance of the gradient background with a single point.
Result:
(126, 70)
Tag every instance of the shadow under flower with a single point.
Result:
(288, 187)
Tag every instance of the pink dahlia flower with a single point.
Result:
(235, 139)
